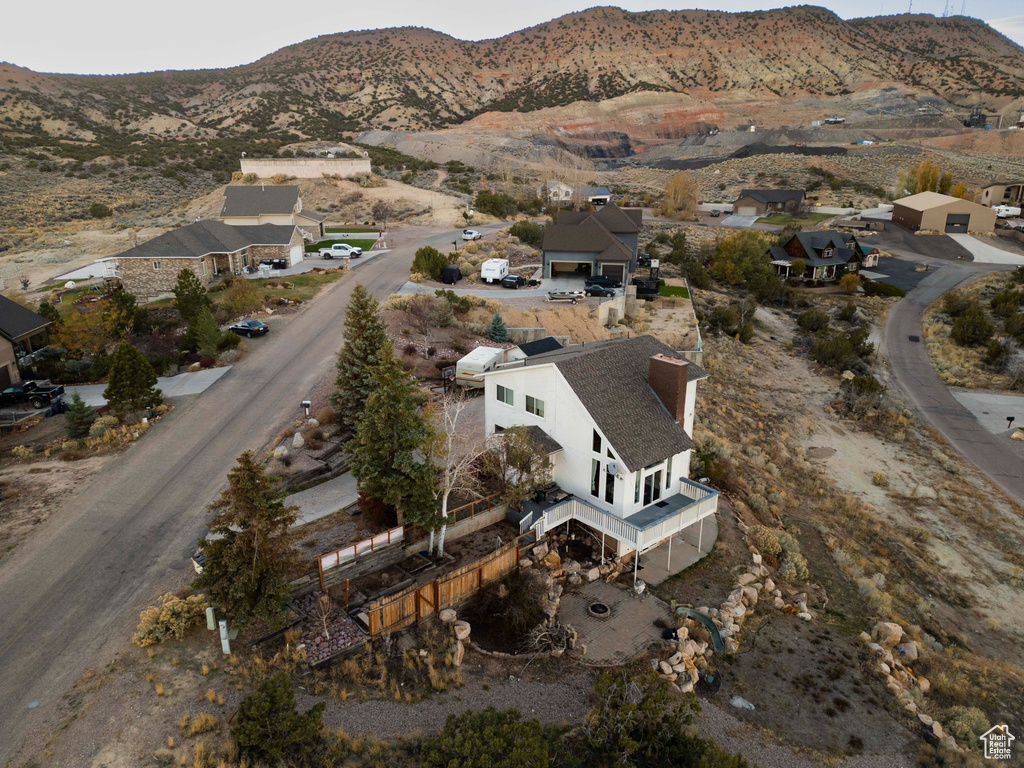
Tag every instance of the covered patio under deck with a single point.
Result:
(675, 518)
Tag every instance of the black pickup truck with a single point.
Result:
(37, 395)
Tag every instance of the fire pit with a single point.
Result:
(599, 610)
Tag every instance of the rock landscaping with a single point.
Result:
(321, 642)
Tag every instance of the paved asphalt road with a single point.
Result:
(70, 595)
(996, 455)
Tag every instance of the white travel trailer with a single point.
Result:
(493, 270)
(470, 370)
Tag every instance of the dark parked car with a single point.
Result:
(715, 213)
(513, 281)
(599, 290)
(250, 328)
(603, 281)
(31, 392)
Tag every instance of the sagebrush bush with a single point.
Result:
(765, 540)
(172, 618)
(966, 724)
(880, 479)
(757, 502)
(102, 425)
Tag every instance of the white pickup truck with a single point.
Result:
(340, 250)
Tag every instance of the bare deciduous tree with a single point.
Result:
(454, 455)
(381, 211)
(323, 612)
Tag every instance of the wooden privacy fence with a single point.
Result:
(353, 551)
(419, 602)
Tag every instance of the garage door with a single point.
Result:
(746, 210)
(614, 271)
(570, 268)
(5, 377)
(957, 223)
(295, 256)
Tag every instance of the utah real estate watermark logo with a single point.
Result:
(998, 743)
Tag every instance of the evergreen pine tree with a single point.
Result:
(189, 295)
(249, 562)
(389, 436)
(365, 335)
(79, 418)
(203, 334)
(497, 330)
(131, 384)
(269, 729)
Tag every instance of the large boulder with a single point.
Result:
(887, 634)
(593, 574)
(462, 630)
(447, 615)
(553, 561)
(746, 578)
(281, 451)
(541, 550)
(460, 654)
(908, 651)
(298, 441)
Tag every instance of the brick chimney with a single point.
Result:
(668, 377)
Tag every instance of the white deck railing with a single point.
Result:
(704, 505)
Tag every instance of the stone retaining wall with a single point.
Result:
(306, 167)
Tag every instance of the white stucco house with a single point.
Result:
(616, 418)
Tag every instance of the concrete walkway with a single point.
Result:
(324, 499)
(991, 410)
(986, 253)
(192, 383)
(687, 547)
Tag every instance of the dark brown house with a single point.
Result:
(764, 202)
(827, 255)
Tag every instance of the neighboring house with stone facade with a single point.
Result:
(616, 419)
(764, 202)
(268, 204)
(208, 248)
(22, 331)
(603, 242)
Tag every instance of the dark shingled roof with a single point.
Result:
(205, 237)
(540, 346)
(773, 195)
(17, 321)
(618, 220)
(313, 215)
(546, 442)
(257, 199)
(814, 242)
(610, 379)
(588, 236)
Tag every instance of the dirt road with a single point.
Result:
(72, 593)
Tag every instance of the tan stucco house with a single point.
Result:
(942, 213)
(208, 248)
(21, 330)
(1003, 193)
(268, 204)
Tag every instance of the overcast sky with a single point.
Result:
(113, 36)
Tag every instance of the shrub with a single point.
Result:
(849, 283)
(488, 738)
(242, 298)
(429, 261)
(172, 618)
(972, 328)
(812, 320)
(460, 304)
(100, 211)
(102, 425)
(881, 288)
(966, 724)
(23, 453)
(746, 333)
(269, 728)
(954, 304)
(847, 313)
(880, 479)
(497, 331)
(498, 205)
(528, 233)
(997, 354)
(228, 341)
(1006, 302)
(757, 502)
(765, 540)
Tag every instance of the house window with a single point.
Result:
(157, 265)
(652, 487)
(595, 478)
(609, 489)
(636, 491)
(535, 406)
(827, 253)
(498, 429)
(202, 267)
(505, 395)
(668, 473)
(597, 442)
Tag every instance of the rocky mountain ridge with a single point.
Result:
(411, 78)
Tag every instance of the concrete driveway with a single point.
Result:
(738, 222)
(919, 385)
(986, 253)
(191, 383)
(992, 410)
(71, 594)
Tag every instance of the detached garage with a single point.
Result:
(942, 213)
